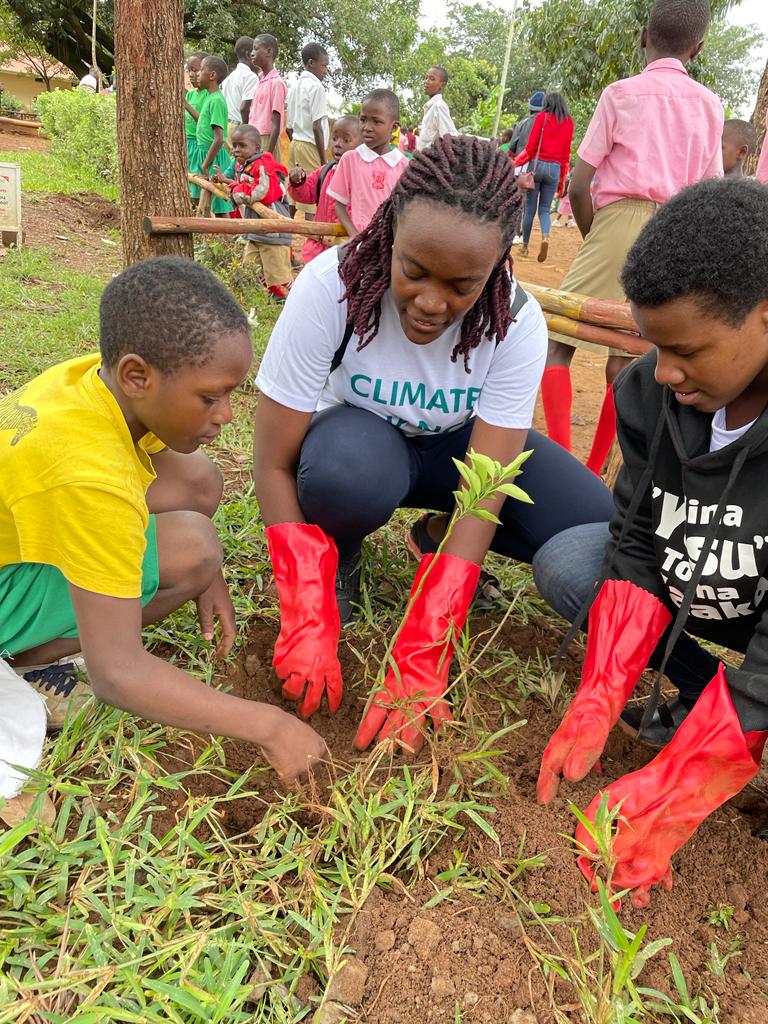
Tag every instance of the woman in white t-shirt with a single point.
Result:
(394, 356)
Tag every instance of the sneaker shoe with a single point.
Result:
(667, 719)
(348, 587)
(279, 292)
(488, 593)
(63, 685)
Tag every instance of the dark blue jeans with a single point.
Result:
(546, 177)
(355, 469)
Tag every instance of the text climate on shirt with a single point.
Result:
(416, 388)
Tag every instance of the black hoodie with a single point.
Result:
(691, 527)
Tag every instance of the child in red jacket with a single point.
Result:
(258, 176)
(313, 190)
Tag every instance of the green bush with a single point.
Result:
(9, 104)
(83, 130)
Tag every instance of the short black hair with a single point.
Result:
(200, 54)
(218, 65)
(352, 118)
(386, 98)
(744, 132)
(507, 134)
(265, 39)
(441, 71)
(312, 51)
(675, 26)
(709, 242)
(250, 130)
(168, 310)
(243, 47)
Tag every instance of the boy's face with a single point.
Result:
(207, 76)
(261, 56)
(707, 362)
(319, 67)
(376, 125)
(346, 136)
(188, 408)
(733, 151)
(193, 71)
(244, 145)
(433, 82)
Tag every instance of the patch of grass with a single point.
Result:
(40, 174)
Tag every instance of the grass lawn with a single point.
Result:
(180, 883)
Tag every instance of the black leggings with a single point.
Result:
(355, 469)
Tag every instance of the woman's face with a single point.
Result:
(441, 260)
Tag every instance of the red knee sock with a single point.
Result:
(605, 433)
(557, 397)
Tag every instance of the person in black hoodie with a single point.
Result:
(688, 543)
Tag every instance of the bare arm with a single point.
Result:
(579, 194)
(317, 131)
(275, 135)
(245, 111)
(472, 536)
(277, 439)
(218, 142)
(194, 114)
(126, 676)
(344, 219)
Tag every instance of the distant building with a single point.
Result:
(19, 79)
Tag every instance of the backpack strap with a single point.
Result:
(338, 355)
(519, 300)
(323, 175)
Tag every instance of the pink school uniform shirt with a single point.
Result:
(363, 180)
(269, 96)
(311, 193)
(762, 163)
(653, 134)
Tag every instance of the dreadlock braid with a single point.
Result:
(464, 174)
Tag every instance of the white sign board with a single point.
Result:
(10, 200)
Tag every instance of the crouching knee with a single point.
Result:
(189, 552)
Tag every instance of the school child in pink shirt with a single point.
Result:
(267, 111)
(650, 136)
(366, 176)
(313, 190)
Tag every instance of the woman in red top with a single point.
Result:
(549, 147)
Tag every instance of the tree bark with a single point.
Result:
(758, 120)
(149, 58)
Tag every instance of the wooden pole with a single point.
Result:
(504, 72)
(602, 312)
(230, 226)
(632, 344)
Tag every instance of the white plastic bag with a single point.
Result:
(22, 729)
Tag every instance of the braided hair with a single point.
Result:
(467, 175)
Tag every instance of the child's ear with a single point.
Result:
(133, 374)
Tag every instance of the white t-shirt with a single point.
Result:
(415, 387)
(721, 436)
(237, 87)
(88, 82)
(307, 102)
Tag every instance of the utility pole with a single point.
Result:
(505, 70)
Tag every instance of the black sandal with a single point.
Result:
(488, 593)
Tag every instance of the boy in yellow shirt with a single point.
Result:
(105, 507)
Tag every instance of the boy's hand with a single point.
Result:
(294, 748)
(297, 176)
(214, 603)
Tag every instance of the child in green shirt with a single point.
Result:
(212, 123)
(193, 101)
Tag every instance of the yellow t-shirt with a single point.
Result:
(72, 482)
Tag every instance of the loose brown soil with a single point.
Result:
(409, 963)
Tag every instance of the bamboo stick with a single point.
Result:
(632, 344)
(232, 226)
(584, 308)
(218, 190)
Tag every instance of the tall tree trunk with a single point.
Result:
(149, 61)
(758, 120)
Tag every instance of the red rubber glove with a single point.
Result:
(625, 623)
(304, 561)
(423, 653)
(707, 762)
